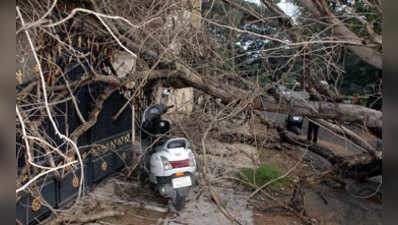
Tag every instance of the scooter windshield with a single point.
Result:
(154, 111)
(177, 144)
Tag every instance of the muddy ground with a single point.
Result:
(325, 203)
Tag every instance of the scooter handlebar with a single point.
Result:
(164, 108)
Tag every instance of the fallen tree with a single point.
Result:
(170, 51)
(357, 166)
(270, 135)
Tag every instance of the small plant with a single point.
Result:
(263, 174)
(264, 154)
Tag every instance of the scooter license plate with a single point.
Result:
(180, 182)
(296, 118)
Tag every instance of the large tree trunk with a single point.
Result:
(358, 166)
(260, 100)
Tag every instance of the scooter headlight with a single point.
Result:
(166, 164)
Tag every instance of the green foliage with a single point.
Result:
(370, 14)
(359, 77)
(263, 174)
(242, 50)
(249, 56)
(217, 9)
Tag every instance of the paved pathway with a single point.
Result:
(325, 137)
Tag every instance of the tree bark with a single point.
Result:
(367, 54)
(87, 218)
(356, 139)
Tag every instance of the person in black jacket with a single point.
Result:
(313, 129)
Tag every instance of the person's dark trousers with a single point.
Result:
(312, 129)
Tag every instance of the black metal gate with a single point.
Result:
(105, 149)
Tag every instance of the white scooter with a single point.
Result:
(169, 162)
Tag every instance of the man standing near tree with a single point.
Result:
(313, 129)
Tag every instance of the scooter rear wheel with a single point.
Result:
(179, 201)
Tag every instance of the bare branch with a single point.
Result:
(43, 84)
